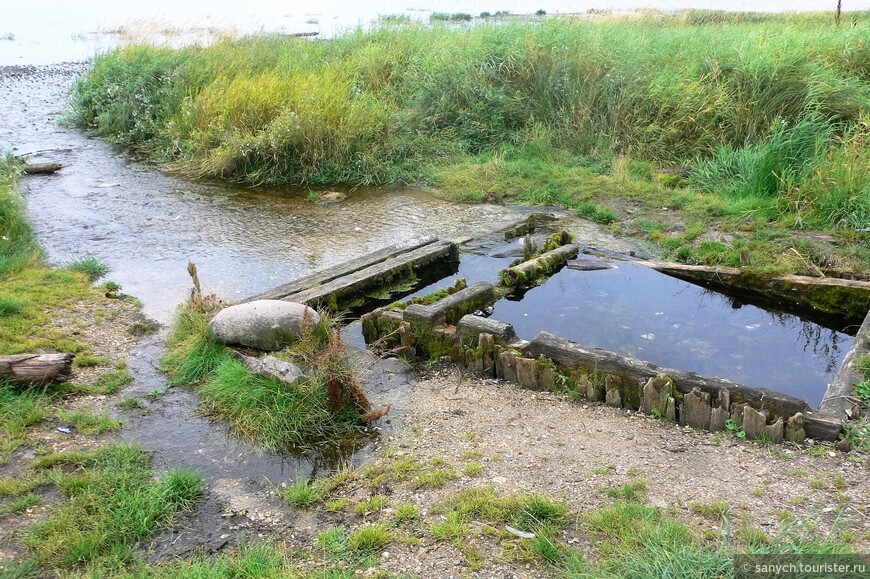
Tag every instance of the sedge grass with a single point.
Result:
(265, 410)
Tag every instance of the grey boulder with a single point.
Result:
(263, 324)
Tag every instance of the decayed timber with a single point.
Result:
(42, 168)
(376, 275)
(338, 271)
(529, 270)
(36, 368)
(838, 398)
(831, 295)
(571, 355)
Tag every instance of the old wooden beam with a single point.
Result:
(36, 368)
(528, 271)
(338, 271)
(376, 275)
(830, 295)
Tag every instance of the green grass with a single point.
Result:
(769, 115)
(90, 267)
(18, 245)
(369, 539)
(303, 493)
(19, 504)
(267, 410)
(19, 409)
(112, 502)
(88, 423)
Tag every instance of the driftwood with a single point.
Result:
(36, 368)
(42, 168)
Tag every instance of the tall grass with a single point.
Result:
(755, 100)
(18, 245)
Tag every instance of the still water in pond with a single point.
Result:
(634, 310)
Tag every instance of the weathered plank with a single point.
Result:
(450, 309)
(337, 271)
(528, 271)
(573, 356)
(36, 368)
(376, 275)
(847, 297)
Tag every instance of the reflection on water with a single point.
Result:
(675, 324)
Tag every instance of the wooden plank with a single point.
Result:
(337, 271)
(527, 272)
(572, 356)
(831, 295)
(377, 274)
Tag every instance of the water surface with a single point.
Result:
(635, 310)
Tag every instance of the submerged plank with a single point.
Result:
(378, 274)
(343, 269)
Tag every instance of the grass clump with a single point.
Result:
(91, 267)
(89, 423)
(327, 406)
(112, 502)
(369, 539)
(304, 493)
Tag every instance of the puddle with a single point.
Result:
(634, 310)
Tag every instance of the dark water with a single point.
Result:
(634, 310)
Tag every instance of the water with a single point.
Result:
(61, 31)
(637, 311)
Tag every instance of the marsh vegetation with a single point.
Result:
(751, 126)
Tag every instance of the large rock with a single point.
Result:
(263, 324)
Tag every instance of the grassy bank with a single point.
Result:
(748, 122)
(93, 506)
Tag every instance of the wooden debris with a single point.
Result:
(24, 369)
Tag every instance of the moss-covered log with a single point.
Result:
(528, 272)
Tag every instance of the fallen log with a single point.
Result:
(42, 168)
(528, 272)
(39, 369)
